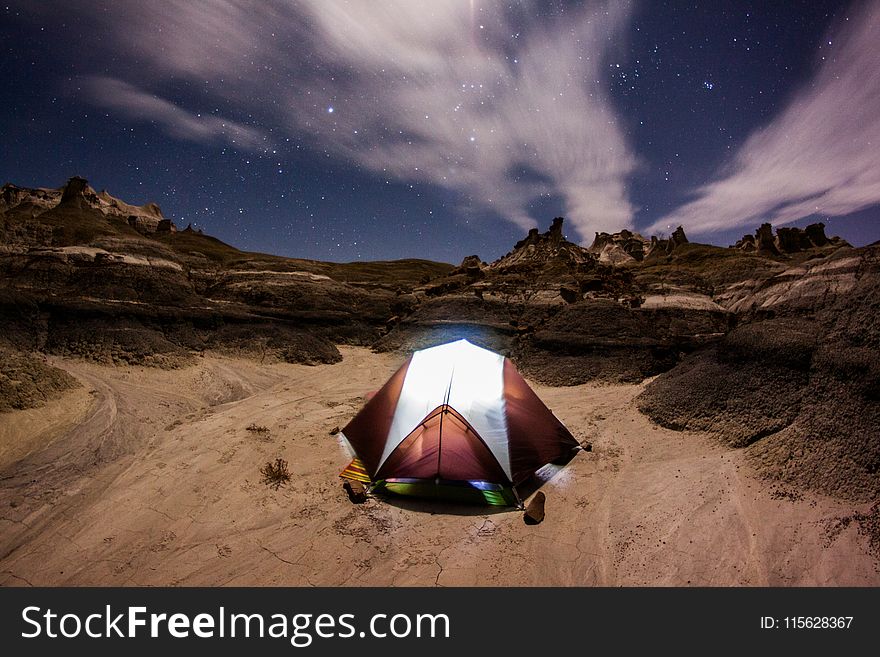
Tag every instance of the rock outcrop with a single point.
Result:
(678, 237)
(470, 262)
(543, 249)
(563, 314)
(798, 382)
(788, 239)
(88, 275)
(75, 196)
(626, 246)
(665, 246)
(746, 243)
(166, 226)
(621, 247)
(816, 234)
(27, 381)
(764, 240)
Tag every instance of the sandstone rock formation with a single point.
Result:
(617, 248)
(77, 195)
(788, 239)
(798, 382)
(470, 262)
(545, 249)
(562, 313)
(84, 274)
(627, 246)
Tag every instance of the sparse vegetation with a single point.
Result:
(868, 526)
(260, 432)
(276, 474)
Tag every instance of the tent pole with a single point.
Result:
(439, 445)
(443, 411)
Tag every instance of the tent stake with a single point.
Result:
(519, 502)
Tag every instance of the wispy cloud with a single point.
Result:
(474, 96)
(820, 155)
(448, 95)
(134, 103)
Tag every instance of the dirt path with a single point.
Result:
(158, 483)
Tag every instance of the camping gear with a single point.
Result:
(455, 421)
(357, 494)
(534, 512)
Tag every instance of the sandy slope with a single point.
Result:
(24, 432)
(158, 483)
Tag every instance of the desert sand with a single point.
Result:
(151, 477)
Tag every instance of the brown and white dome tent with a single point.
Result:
(457, 421)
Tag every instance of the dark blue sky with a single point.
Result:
(374, 131)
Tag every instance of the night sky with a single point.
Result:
(439, 128)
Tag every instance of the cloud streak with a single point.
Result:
(473, 96)
(454, 99)
(134, 103)
(820, 155)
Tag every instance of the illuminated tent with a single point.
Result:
(455, 421)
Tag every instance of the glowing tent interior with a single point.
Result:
(455, 421)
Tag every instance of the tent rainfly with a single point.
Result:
(455, 421)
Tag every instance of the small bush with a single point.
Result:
(275, 474)
(257, 428)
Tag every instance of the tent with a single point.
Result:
(455, 421)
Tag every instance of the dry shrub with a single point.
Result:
(275, 474)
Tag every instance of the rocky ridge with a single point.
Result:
(77, 194)
(562, 312)
(788, 239)
(797, 382)
(626, 246)
(80, 277)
